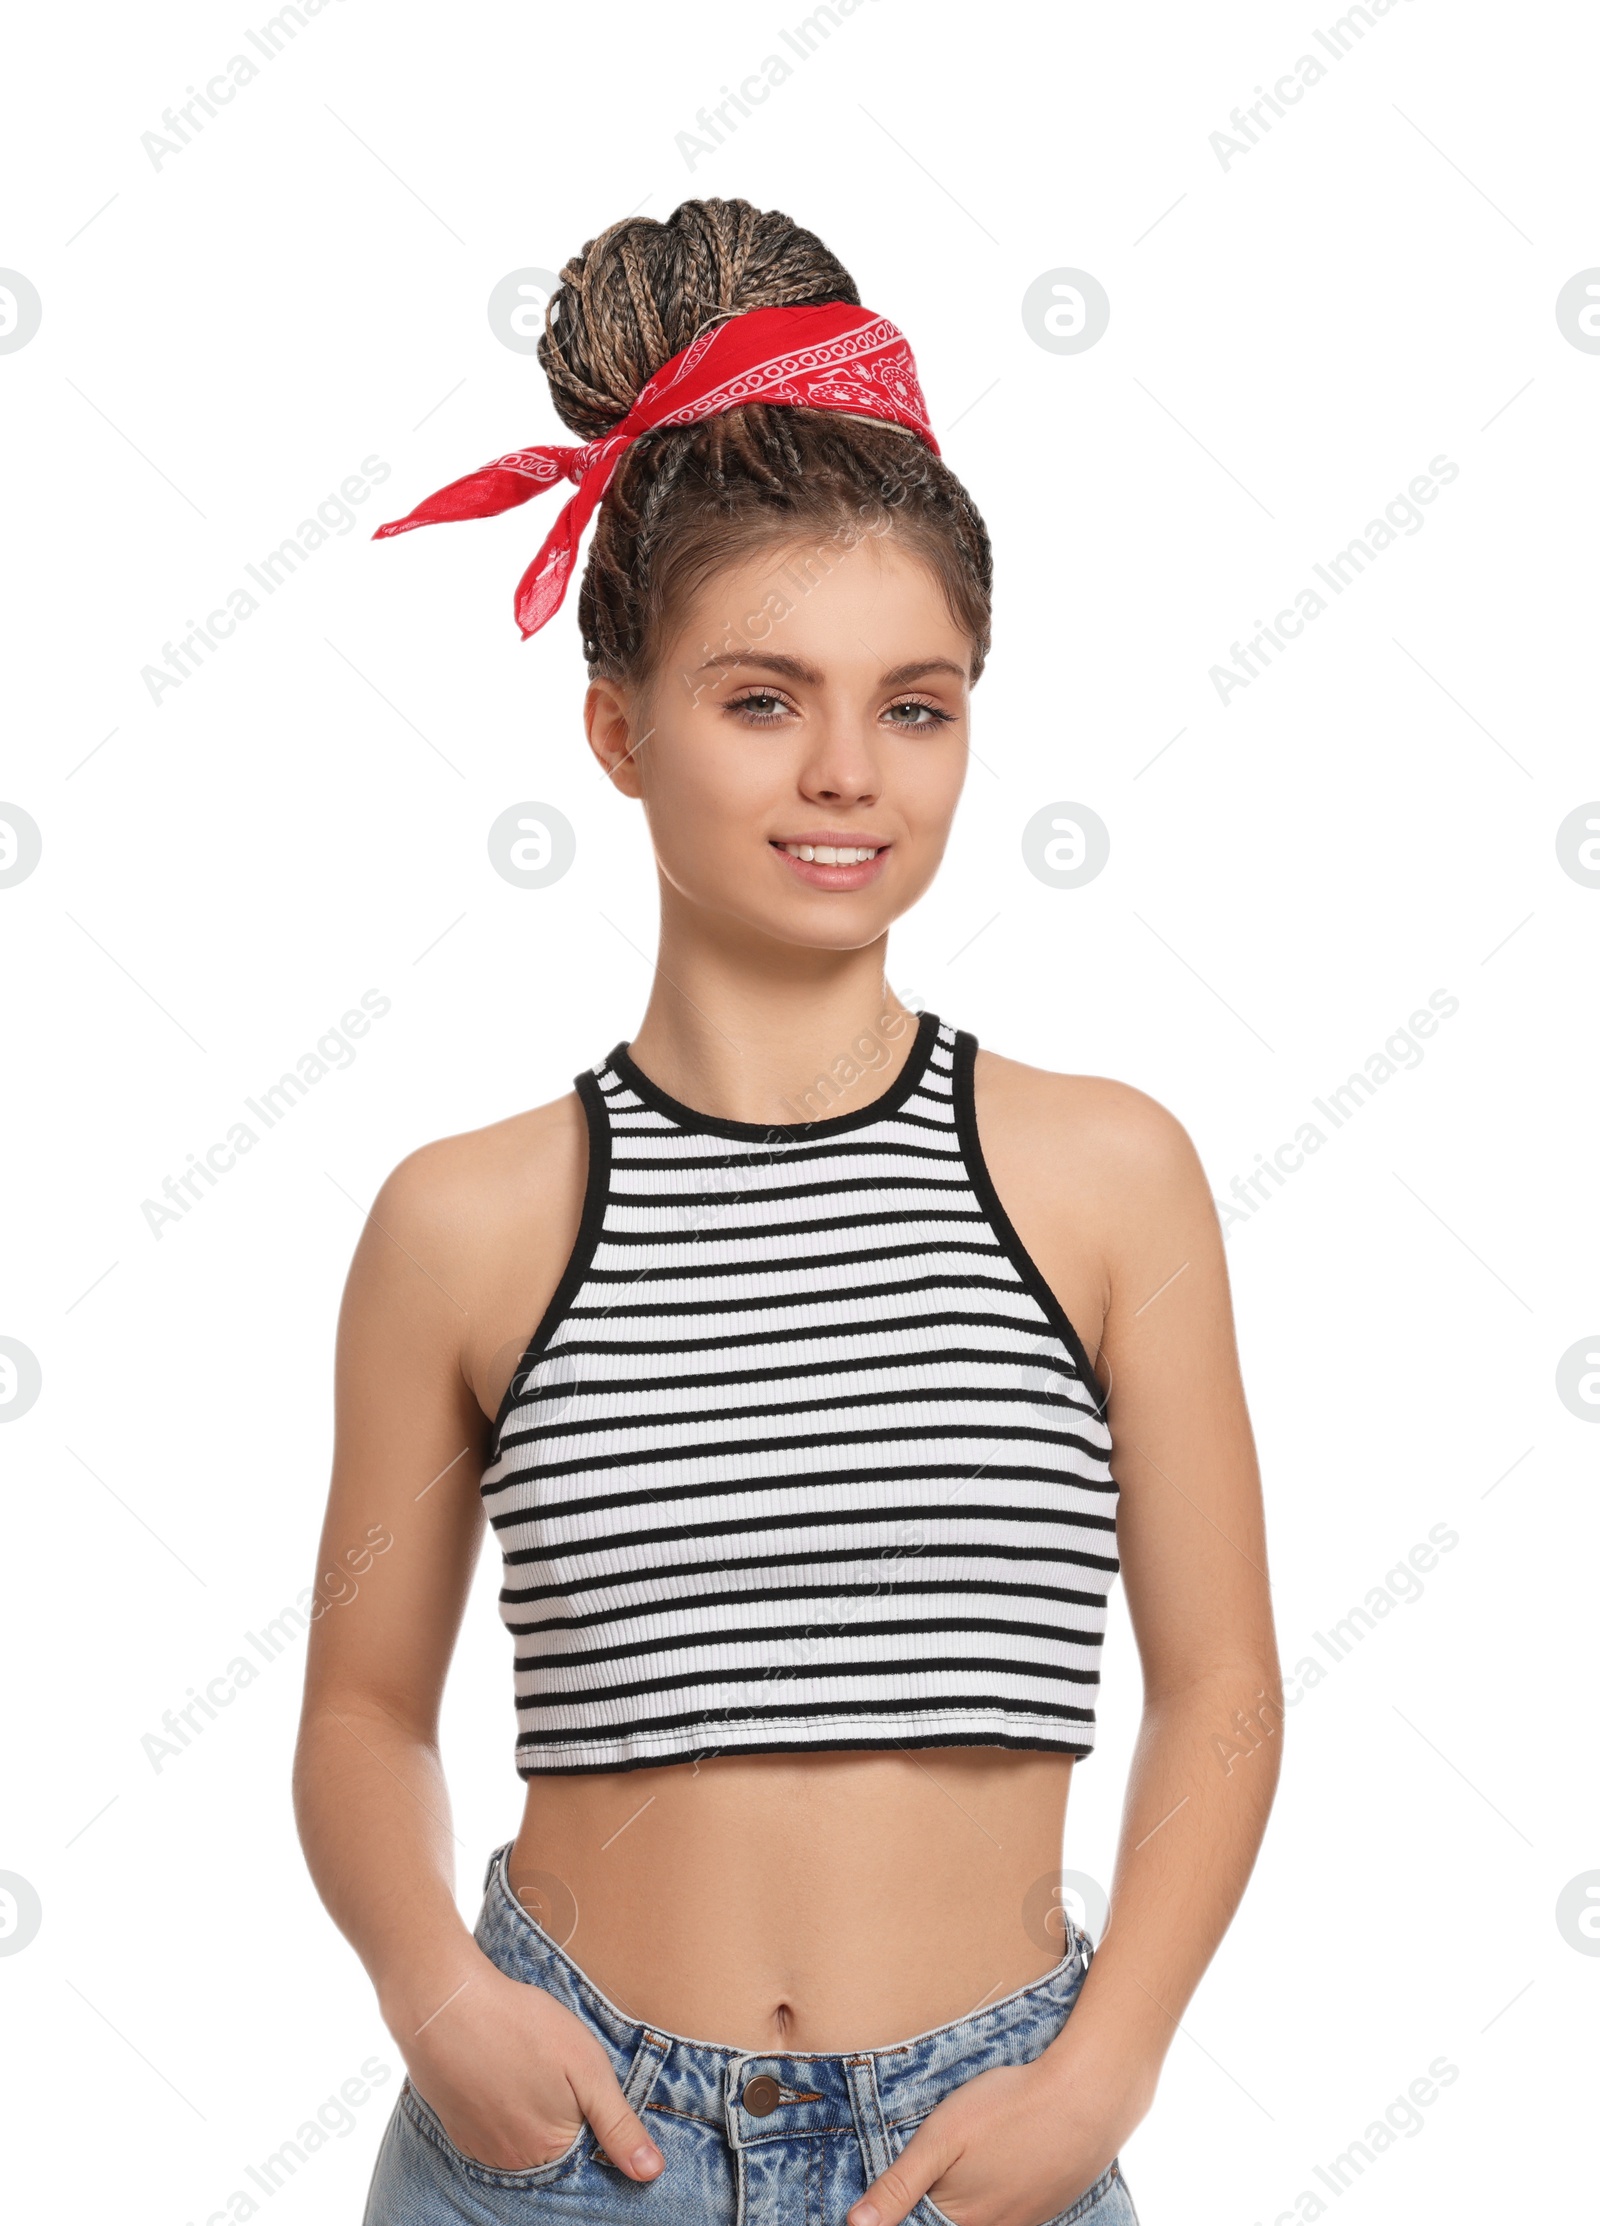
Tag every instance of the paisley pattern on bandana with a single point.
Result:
(828, 356)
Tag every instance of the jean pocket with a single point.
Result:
(1107, 2203)
(427, 2123)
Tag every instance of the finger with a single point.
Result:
(619, 2132)
(894, 2194)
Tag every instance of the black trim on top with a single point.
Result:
(989, 1198)
(1042, 1744)
(766, 1132)
(596, 1190)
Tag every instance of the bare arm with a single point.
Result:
(370, 1797)
(508, 2070)
(1191, 1536)
(1017, 2144)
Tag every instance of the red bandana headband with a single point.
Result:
(831, 356)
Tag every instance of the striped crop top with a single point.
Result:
(803, 1453)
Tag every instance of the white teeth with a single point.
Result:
(829, 854)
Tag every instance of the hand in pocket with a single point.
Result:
(512, 2076)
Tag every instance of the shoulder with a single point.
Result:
(1130, 1135)
(452, 1175)
(1115, 1160)
(456, 1206)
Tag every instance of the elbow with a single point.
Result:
(1233, 1711)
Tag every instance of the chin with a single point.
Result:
(836, 931)
(835, 920)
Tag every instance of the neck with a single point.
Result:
(766, 1054)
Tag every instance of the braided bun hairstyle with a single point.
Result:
(689, 501)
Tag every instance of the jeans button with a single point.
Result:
(761, 2094)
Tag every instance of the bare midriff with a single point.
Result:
(793, 1902)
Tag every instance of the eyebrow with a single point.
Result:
(795, 668)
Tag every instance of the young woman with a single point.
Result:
(815, 1371)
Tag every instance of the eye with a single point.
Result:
(762, 707)
(932, 714)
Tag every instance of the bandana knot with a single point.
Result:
(828, 356)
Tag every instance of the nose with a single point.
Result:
(842, 766)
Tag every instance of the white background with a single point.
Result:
(1292, 339)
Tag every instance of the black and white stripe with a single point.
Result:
(804, 1452)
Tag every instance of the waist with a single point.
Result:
(802, 1901)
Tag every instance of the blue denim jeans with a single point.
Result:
(835, 2122)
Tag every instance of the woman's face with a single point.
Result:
(814, 698)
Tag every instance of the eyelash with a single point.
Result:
(936, 716)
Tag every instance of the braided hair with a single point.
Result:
(690, 501)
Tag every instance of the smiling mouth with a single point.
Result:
(832, 854)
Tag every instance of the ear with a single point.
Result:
(610, 717)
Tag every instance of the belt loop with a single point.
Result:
(490, 1867)
(733, 2078)
(867, 2108)
(645, 2069)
